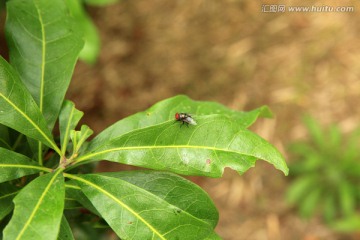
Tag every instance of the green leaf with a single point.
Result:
(68, 120)
(165, 110)
(38, 209)
(19, 143)
(14, 165)
(310, 202)
(173, 189)
(315, 131)
(71, 203)
(79, 137)
(349, 224)
(329, 207)
(347, 197)
(213, 236)
(299, 188)
(74, 192)
(65, 230)
(4, 137)
(137, 214)
(7, 193)
(18, 109)
(335, 138)
(91, 49)
(100, 2)
(206, 149)
(44, 44)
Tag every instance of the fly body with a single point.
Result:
(185, 118)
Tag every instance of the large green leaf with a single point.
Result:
(206, 149)
(134, 213)
(165, 111)
(14, 165)
(18, 109)
(168, 186)
(38, 209)
(44, 44)
(173, 189)
(7, 193)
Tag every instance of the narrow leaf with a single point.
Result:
(206, 149)
(165, 110)
(68, 119)
(18, 109)
(44, 44)
(309, 205)
(329, 207)
(347, 198)
(315, 131)
(136, 214)
(7, 193)
(38, 209)
(14, 165)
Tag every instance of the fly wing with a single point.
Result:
(190, 120)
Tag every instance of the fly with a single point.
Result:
(185, 118)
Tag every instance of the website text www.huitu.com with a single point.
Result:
(279, 8)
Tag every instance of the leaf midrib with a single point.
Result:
(89, 156)
(43, 56)
(66, 136)
(32, 123)
(25, 166)
(38, 205)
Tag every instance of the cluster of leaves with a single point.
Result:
(327, 175)
(40, 182)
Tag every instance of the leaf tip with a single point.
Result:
(265, 112)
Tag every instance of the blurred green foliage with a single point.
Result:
(326, 175)
(91, 49)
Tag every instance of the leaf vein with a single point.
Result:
(36, 208)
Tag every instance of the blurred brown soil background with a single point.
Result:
(230, 52)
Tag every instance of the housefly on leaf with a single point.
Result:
(185, 118)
